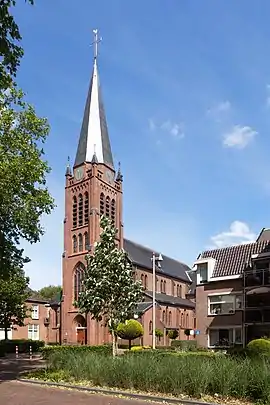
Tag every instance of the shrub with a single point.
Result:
(259, 347)
(159, 333)
(130, 330)
(173, 334)
(23, 345)
(47, 351)
(137, 348)
(185, 344)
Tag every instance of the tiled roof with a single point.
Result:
(141, 256)
(144, 306)
(232, 260)
(170, 300)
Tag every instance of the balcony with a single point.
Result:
(257, 315)
(259, 276)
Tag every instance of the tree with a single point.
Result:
(24, 197)
(130, 330)
(10, 50)
(173, 334)
(109, 290)
(50, 292)
(13, 293)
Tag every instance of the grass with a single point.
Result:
(194, 376)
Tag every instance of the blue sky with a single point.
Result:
(186, 86)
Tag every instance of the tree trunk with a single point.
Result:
(6, 332)
(114, 343)
(129, 344)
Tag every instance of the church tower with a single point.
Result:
(93, 188)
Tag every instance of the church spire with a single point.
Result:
(94, 137)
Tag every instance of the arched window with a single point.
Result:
(177, 290)
(78, 280)
(86, 208)
(150, 327)
(177, 318)
(75, 244)
(145, 282)
(86, 241)
(102, 204)
(180, 291)
(80, 242)
(164, 317)
(161, 286)
(107, 206)
(164, 286)
(187, 321)
(142, 280)
(113, 211)
(170, 318)
(74, 211)
(80, 210)
(182, 320)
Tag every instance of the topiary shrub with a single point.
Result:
(259, 348)
(173, 334)
(130, 330)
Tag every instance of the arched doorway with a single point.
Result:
(80, 325)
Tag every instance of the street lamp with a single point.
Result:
(155, 259)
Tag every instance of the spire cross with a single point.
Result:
(95, 43)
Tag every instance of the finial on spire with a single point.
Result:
(97, 40)
(68, 169)
(119, 176)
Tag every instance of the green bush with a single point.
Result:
(23, 345)
(173, 334)
(195, 374)
(47, 351)
(259, 347)
(185, 344)
(130, 330)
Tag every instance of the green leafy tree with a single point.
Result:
(159, 333)
(10, 50)
(50, 292)
(13, 293)
(130, 330)
(24, 197)
(173, 334)
(110, 292)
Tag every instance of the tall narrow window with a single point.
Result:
(113, 211)
(86, 241)
(170, 318)
(164, 317)
(142, 280)
(75, 245)
(145, 282)
(182, 320)
(177, 290)
(150, 327)
(86, 208)
(180, 291)
(177, 318)
(187, 321)
(78, 280)
(107, 210)
(80, 239)
(74, 211)
(102, 204)
(161, 286)
(164, 287)
(80, 210)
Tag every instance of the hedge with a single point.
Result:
(184, 344)
(9, 346)
(101, 349)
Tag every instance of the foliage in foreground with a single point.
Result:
(110, 293)
(130, 330)
(184, 374)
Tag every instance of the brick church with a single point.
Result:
(94, 187)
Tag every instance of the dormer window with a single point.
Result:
(202, 273)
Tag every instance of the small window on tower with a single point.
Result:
(107, 211)
(80, 210)
(86, 241)
(74, 210)
(80, 238)
(102, 204)
(86, 208)
(113, 211)
(74, 244)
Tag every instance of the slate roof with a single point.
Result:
(144, 306)
(231, 261)
(141, 256)
(170, 300)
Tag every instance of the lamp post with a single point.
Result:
(155, 259)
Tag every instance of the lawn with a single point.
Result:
(193, 375)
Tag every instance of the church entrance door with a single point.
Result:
(81, 336)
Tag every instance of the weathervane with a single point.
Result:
(95, 43)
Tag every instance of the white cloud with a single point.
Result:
(238, 233)
(239, 137)
(219, 109)
(175, 130)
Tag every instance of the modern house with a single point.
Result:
(232, 293)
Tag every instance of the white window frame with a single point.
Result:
(33, 331)
(234, 299)
(202, 267)
(35, 312)
(232, 328)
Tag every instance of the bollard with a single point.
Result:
(17, 352)
(30, 352)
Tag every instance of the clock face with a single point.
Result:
(109, 176)
(79, 173)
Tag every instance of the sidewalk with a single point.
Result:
(11, 368)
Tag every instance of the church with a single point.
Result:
(94, 187)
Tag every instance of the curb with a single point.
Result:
(125, 394)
